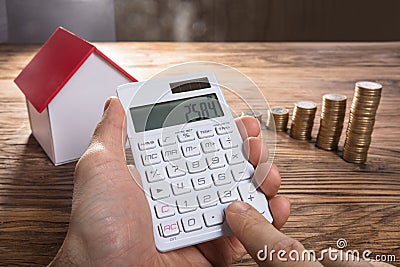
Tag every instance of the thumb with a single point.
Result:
(261, 239)
(110, 131)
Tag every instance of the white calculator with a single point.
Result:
(188, 151)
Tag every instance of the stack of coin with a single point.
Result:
(303, 120)
(253, 113)
(332, 118)
(280, 116)
(361, 121)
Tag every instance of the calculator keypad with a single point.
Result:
(171, 153)
(164, 210)
(193, 175)
(151, 158)
(167, 139)
(191, 223)
(205, 133)
(181, 187)
(213, 217)
(160, 190)
(215, 162)
(155, 174)
(190, 150)
(175, 170)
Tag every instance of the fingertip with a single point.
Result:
(268, 177)
(248, 126)
(255, 150)
(280, 209)
(107, 104)
(252, 125)
(113, 105)
(238, 207)
(239, 213)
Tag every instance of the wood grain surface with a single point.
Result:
(257, 20)
(331, 199)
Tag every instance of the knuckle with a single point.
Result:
(262, 170)
(250, 226)
(287, 244)
(94, 157)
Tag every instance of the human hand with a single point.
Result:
(110, 221)
(269, 247)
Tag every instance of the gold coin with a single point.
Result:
(361, 121)
(280, 116)
(331, 121)
(303, 120)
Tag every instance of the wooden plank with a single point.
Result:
(257, 20)
(331, 199)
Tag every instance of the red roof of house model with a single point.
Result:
(55, 63)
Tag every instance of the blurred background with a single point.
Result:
(23, 21)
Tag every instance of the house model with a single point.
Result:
(65, 85)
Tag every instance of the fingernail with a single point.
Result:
(107, 104)
(239, 207)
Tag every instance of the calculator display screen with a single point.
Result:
(176, 112)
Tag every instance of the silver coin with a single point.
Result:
(306, 104)
(369, 85)
(335, 97)
(279, 110)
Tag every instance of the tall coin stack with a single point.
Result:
(303, 120)
(280, 116)
(332, 118)
(361, 122)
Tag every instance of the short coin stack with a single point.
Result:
(303, 120)
(332, 118)
(253, 113)
(361, 122)
(279, 115)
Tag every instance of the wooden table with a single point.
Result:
(331, 199)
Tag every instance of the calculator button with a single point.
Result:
(226, 142)
(200, 183)
(191, 223)
(180, 188)
(241, 172)
(169, 228)
(190, 150)
(234, 157)
(151, 158)
(250, 195)
(166, 140)
(147, 144)
(175, 170)
(171, 153)
(160, 190)
(155, 174)
(196, 166)
(164, 210)
(186, 204)
(209, 146)
(223, 129)
(213, 217)
(207, 199)
(221, 178)
(205, 133)
(186, 136)
(215, 162)
(228, 195)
